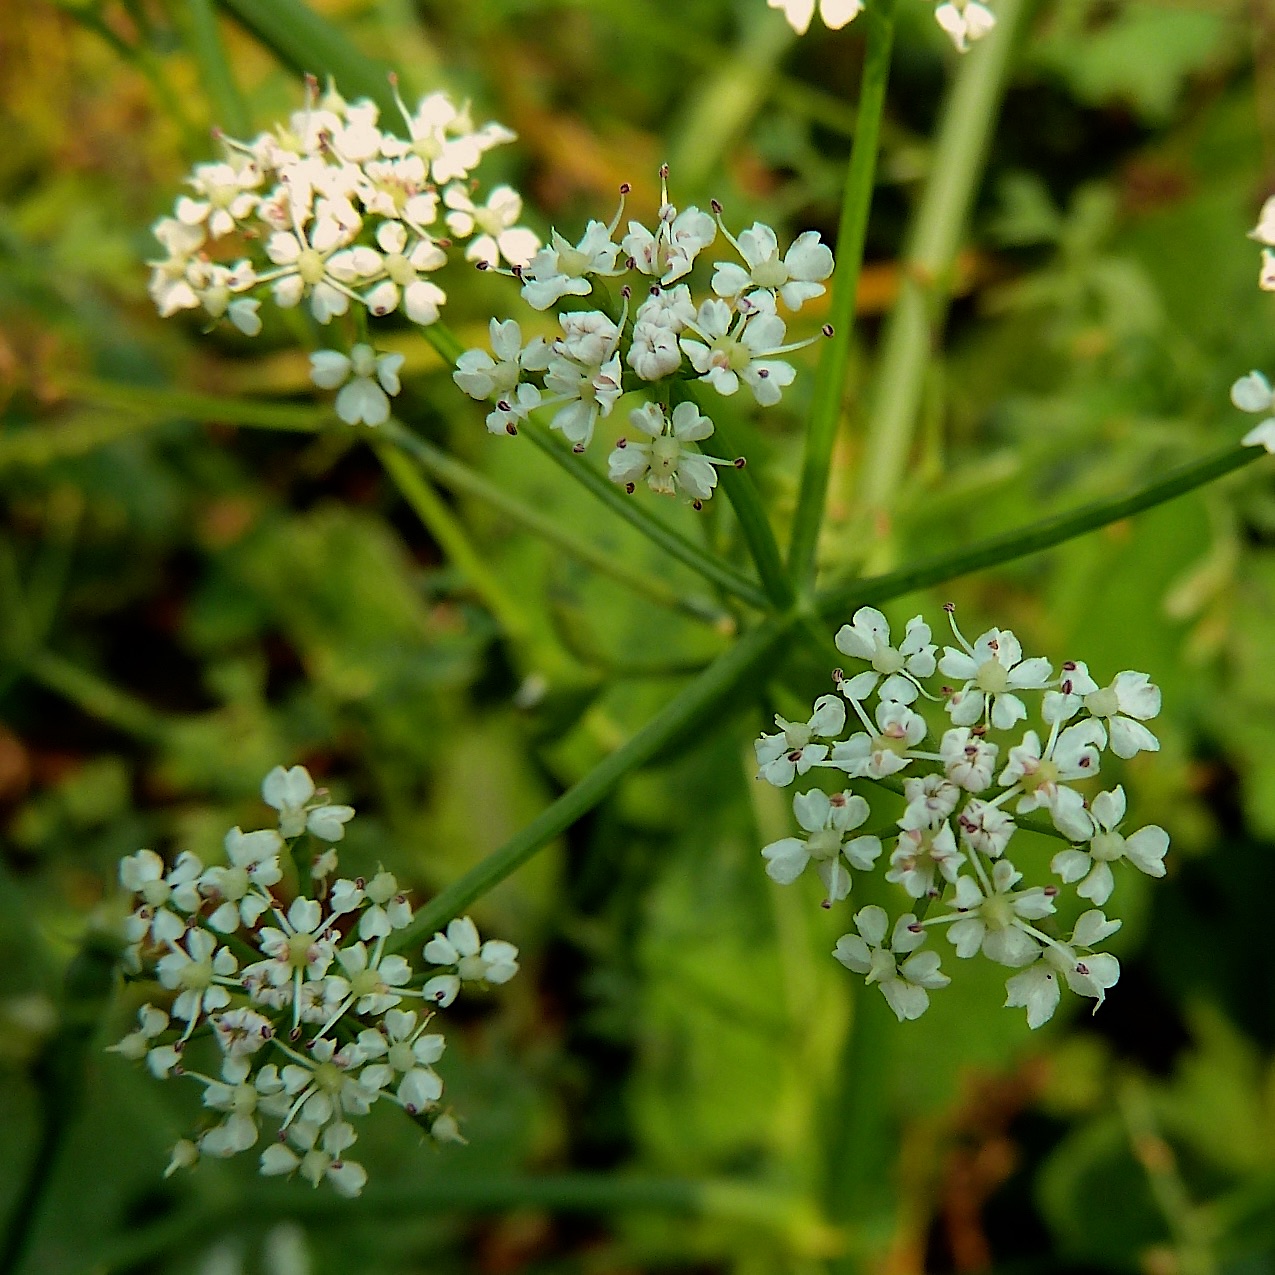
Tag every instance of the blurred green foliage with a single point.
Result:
(184, 604)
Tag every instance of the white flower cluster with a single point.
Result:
(332, 210)
(733, 337)
(306, 1006)
(962, 792)
(963, 20)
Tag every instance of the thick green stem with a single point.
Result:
(856, 205)
(843, 598)
(968, 119)
(689, 707)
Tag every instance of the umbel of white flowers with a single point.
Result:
(333, 211)
(963, 785)
(658, 339)
(286, 1007)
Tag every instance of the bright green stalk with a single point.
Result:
(968, 119)
(310, 44)
(230, 111)
(451, 537)
(856, 204)
(688, 708)
(842, 598)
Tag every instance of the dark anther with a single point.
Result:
(625, 187)
(829, 330)
(740, 461)
(716, 206)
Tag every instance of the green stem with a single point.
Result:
(460, 478)
(228, 105)
(157, 404)
(841, 598)
(856, 205)
(451, 537)
(97, 697)
(679, 714)
(968, 118)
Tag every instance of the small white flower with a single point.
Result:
(225, 196)
(995, 922)
(321, 1157)
(1087, 973)
(992, 669)
(306, 267)
(666, 461)
(1145, 849)
(669, 252)
(410, 1055)
(968, 758)
(367, 380)
(732, 348)
(163, 898)
(795, 278)
(402, 265)
(241, 1099)
(301, 807)
(919, 854)
(1122, 707)
(326, 1084)
(512, 409)
(481, 376)
(241, 1032)
(905, 986)
(885, 750)
(1252, 393)
(835, 13)
(867, 637)
(588, 337)
(492, 224)
(584, 393)
(151, 1023)
(559, 270)
(243, 884)
(371, 984)
(445, 138)
(931, 799)
(793, 751)
(964, 21)
(1071, 754)
(200, 972)
(826, 820)
(985, 827)
(492, 962)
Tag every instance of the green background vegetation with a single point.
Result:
(184, 604)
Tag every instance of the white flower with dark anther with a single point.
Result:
(224, 197)
(867, 637)
(301, 808)
(793, 751)
(512, 409)
(1086, 972)
(322, 1157)
(985, 827)
(402, 265)
(919, 854)
(242, 1032)
(370, 983)
(200, 973)
(931, 799)
(410, 1054)
(482, 377)
(387, 908)
(964, 21)
(670, 308)
(664, 457)
(968, 758)
(399, 190)
(164, 898)
(325, 1084)
(492, 224)
(882, 749)
(654, 351)
(1252, 393)
(835, 13)
(1122, 707)
(299, 948)
(474, 961)
(306, 268)
(559, 270)
(668, 252)
(727, 348)
(1145, 849)
(994, 918)
(1070, 754)
(585, 394)
(826, 821)
(906, 985)
(366, 378)
(241, 1095)
(214, 287)
(795, 278)
(992, 670)
(243, 884)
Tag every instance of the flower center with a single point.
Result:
(824, 844)
(310, 265)
(771, 273)
(399, 269)
(1107, 846)
(665, 454)
(367, 983)
(885, 659)
(329, 1078)
(300, 949)
(401, 1056)
(243, 1100)
(156, 893)
(471, 967)
(233, 884)
(796, 735)
(573, 262)
(992, 677)
(1103, 703)
(997, 912)
(891, 741)
(882, 966)
(489, 221)
(197, 975)
(1043, 775)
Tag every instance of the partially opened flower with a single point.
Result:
(366, 378)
